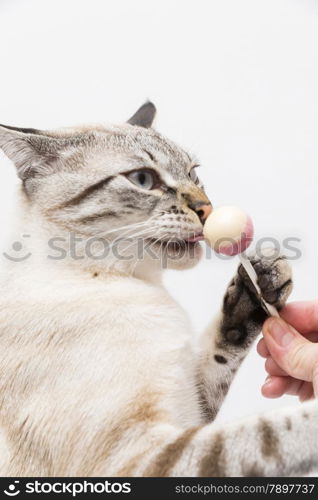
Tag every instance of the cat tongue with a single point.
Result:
(194, 239)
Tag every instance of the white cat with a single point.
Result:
(100, 374)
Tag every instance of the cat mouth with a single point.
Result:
(195, 238)
(175, 244)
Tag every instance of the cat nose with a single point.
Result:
(202, 209)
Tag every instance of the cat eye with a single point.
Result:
(144, 178)
(193, 175)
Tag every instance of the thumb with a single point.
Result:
(291, 351)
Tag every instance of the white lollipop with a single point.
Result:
(228, 230)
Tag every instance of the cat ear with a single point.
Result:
(144, 116)
(32, 151)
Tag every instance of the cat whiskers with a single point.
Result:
(128, 227)
(143, 234)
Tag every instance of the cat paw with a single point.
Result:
(243, 315)
(274, 277)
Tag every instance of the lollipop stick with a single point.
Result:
(246, 263)
(228, 225)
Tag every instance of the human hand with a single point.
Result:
(291, 357)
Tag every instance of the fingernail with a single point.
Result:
(280, 332)
(267, 380)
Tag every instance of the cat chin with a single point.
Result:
(182, 264)
(186, 260)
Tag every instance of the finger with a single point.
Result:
(272, 368)
(294, 386)
(312, 336)
(275, 387)
(303, 316)
(262, 348)
(264, 352)
(292, 352)
(306, 392)
(278, 386)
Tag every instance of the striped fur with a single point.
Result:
(100, 373)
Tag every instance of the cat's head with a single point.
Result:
(125, 184)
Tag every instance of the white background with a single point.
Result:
(235, 82)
